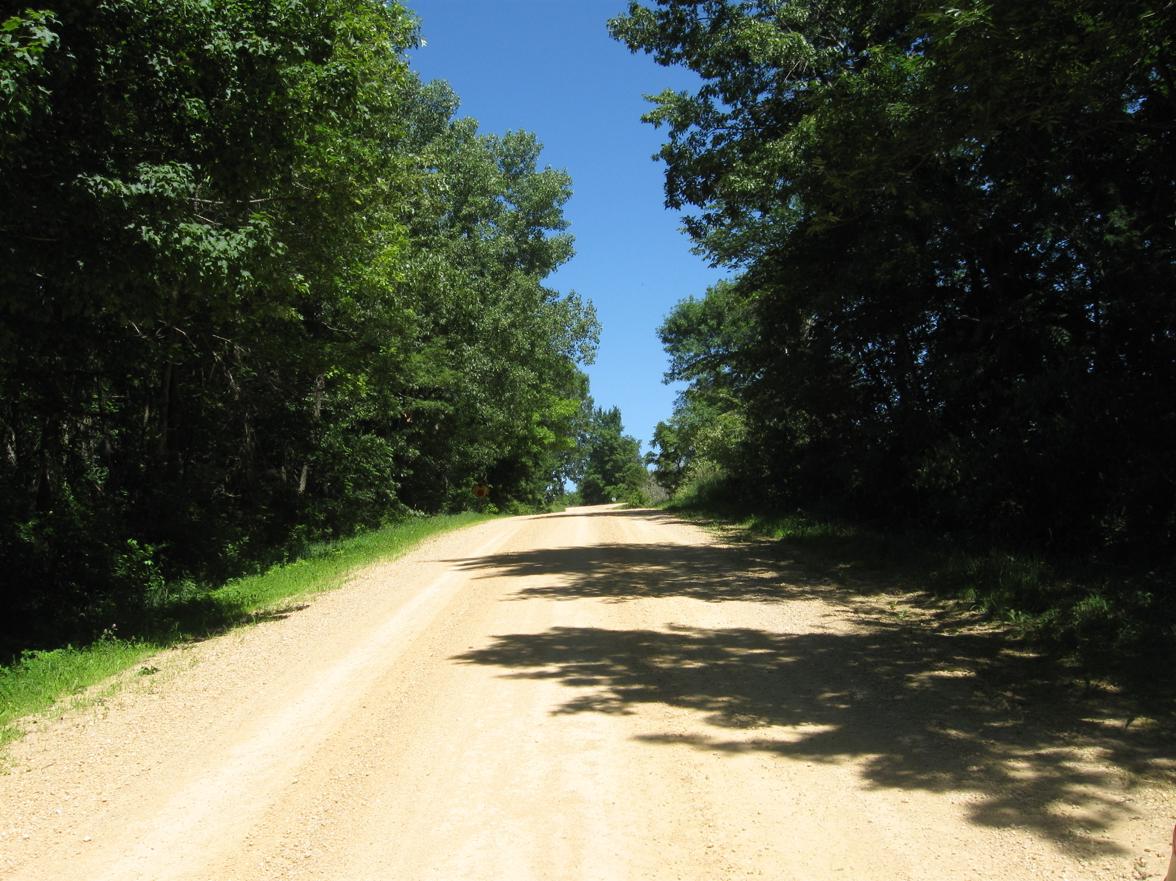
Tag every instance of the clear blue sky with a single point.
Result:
(549, 66)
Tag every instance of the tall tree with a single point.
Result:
(612, 469)
(952, 223)
(258, 285)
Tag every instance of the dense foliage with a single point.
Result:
(257, 285)
(609, 464)
(952, 230)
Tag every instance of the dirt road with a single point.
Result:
(599, 694)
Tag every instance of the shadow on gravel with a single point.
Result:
(743, 568)
(623, 572)
(928, 706)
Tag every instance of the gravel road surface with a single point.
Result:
(598, 694)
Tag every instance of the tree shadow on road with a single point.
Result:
(623, 572)
(742, 567)
(936, 704)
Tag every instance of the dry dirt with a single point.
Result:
(599, 694)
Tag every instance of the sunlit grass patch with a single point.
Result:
(39, 679)
(327, 565)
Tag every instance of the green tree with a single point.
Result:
(612, 469)
(165, 307)
(496, 388)
(258, 286)
(709, 342)
(948, 221)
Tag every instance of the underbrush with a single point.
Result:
(1107, 620)
(185, 611)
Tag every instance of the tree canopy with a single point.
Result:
(259, 285)
(951, 232)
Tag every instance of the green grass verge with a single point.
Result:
(1106, 620)
(35, 682)
(41, 678)
(327, 566)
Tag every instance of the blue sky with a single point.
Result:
(549, 66)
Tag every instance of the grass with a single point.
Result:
(1104, 620)
(327, 566)
(36, 682)
(183, 612)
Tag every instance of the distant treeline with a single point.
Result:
(258, 286)
(953, 230)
